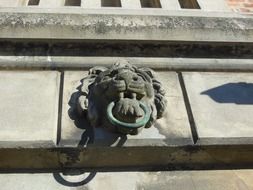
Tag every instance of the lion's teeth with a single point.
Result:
(121, 94)
(131, 110)
(134, 95)
(138, 112)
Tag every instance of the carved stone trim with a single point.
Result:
(122, 98)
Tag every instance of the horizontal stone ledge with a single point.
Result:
(120, 158)
(84, 63)
(97, 24)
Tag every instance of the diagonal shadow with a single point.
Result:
(237, 93)
(92, 135)
(89, 137)
(61, 178)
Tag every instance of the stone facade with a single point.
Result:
(201, 52)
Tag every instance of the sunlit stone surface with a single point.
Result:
(222, 104)
(29, 106)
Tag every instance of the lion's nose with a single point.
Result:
(127, 76)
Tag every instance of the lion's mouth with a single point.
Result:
(126, 117)
(127, 108)
(129, 90)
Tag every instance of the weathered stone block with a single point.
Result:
(173, 128)
(222, 105)
(51, 4)
(29, 106)
(130, 4)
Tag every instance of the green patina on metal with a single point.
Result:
(139, 123)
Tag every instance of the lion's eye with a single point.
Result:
(135, 78)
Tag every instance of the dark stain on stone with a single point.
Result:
(125, 49)
(72, 156)
(192, 149)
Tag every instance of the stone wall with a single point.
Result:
(241, 5)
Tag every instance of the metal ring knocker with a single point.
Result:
(138, 124)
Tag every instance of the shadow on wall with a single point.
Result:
(74, 180)
(237, 93)
(90, 136)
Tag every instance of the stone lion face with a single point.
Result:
(122, 98)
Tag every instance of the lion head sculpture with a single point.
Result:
(122, 98)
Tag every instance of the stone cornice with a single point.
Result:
(113, 24)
